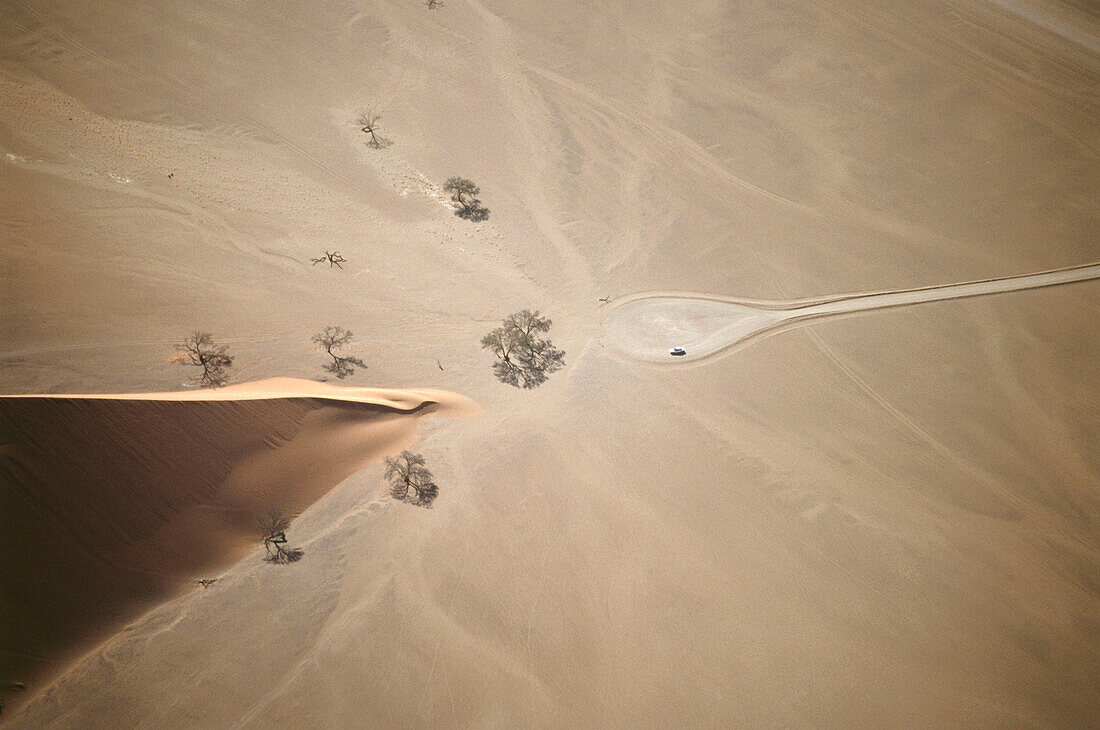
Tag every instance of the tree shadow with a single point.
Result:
(342, 367)
(529, 372)
(282, 556)
(473, 211)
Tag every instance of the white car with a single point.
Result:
(677, 351)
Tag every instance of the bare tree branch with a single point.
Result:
(199, 350)
(336, 338)
(333, 257)
(273, 526)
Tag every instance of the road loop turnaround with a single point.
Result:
(644, 326)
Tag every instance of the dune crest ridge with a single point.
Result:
(112, 502)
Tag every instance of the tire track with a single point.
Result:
(978, 476)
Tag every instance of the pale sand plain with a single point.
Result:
(887, 519)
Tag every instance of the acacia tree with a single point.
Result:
(410, 481)
(336, 338)
(464, 194)
(199, 350)
(273, 526)
(524, 359)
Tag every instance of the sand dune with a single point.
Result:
(112, 502)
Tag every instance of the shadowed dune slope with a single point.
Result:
(112, 502)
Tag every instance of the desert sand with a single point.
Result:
(883, 519)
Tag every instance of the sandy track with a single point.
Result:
(645, 326)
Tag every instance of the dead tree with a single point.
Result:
(368, 124)
(333, 257)
(410, 481)
(199, 350)
(464, 194)
(273, 526)
(336, 338)
(524, 359)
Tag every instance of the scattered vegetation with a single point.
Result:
(524, 358)
(336, 338)
(333, 257)
(368, 123)
(464, 194)
(274, 526)
(200, 351)
(410, 481)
